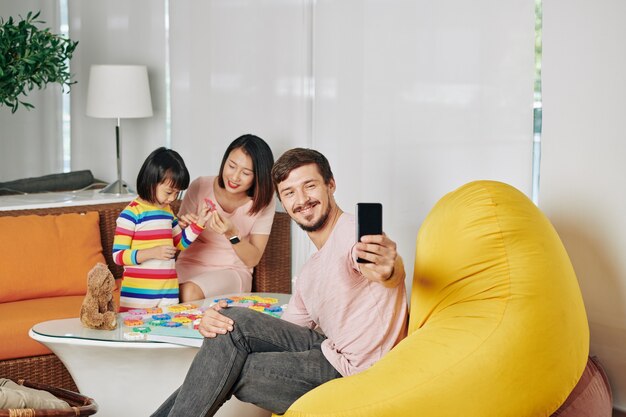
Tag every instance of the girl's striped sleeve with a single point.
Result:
(124, 233)
(184, 237)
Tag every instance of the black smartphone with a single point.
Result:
(369, 221)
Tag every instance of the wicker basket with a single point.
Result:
(81, 405)
(44, 369)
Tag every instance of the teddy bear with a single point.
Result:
(98, 310)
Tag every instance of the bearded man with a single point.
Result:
(342, 317)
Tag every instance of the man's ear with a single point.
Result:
(332, 185)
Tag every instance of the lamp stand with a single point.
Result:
(119, 186)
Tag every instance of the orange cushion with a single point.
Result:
(18, 317)
(47, 256)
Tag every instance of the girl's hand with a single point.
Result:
(222, 226)
(186, 219)
(164, 252)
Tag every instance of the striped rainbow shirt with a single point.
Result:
(154, 282)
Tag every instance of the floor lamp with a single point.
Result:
(118, 91)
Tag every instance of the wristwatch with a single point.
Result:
(234, 239)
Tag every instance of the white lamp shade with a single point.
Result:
(119, 91)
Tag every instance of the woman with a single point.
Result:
(242, 199)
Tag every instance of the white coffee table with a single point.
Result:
(128, 378)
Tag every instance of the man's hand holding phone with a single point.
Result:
(381, 253)
(369, 221)
(375, 252)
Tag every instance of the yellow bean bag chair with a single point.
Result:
(497, 324)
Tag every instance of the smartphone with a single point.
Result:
(369, 221)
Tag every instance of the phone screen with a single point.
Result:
(369, 221)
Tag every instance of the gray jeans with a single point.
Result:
(264, 360)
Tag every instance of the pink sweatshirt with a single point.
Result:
(362, 319)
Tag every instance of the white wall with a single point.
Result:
(582, 169)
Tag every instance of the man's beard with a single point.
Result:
(318, 224)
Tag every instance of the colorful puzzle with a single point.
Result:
(183, 319)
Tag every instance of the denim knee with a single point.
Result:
(240, 315)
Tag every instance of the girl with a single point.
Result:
(148, 234)
(221, 261)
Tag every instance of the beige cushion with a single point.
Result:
(13, 395)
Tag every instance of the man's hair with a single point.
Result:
(297, 157)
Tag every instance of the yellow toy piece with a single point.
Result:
(497, 324)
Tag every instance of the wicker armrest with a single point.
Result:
(273, 273)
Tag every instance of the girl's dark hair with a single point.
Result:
(297, 157)
(161, 165)
(262, 161)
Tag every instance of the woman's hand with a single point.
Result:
(204, 214)
(222, 226)
(214, 323)
(201, 218)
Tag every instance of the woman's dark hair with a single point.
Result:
(262, 161)
(161, 165)
(297, 157)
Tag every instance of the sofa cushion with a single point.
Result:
(19, 316)
(48, 256)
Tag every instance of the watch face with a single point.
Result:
(234, 240)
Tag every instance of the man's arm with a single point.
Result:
(386, 265)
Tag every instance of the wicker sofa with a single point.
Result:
(23, 358)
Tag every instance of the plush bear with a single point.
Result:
(99, 310)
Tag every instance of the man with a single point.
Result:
(342, 317)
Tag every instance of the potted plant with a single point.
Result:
(31, 57)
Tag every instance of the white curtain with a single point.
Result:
(415, 98)
(407, 99)
(240, 67)
(117, 32)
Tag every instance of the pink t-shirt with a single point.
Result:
(361, 319)
(210, 249)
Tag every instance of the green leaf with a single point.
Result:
(31, 57)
